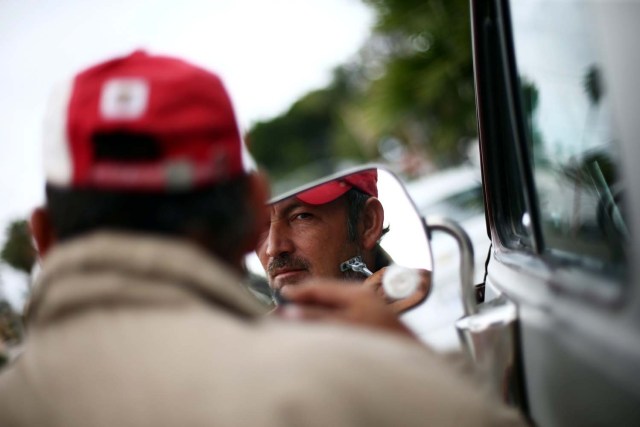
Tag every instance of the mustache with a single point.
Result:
(287, 261)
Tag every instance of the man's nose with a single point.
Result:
(278, 241)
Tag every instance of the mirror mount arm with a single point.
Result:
(465, 246)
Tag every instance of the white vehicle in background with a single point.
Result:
(454, 193)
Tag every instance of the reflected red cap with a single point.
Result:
(142, 122)
(366, 181)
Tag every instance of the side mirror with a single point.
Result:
(318, 214)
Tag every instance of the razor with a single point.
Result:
(356, 264)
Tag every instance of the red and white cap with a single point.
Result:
(366, 181)
(142, 123)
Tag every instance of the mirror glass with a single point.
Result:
(309, 236)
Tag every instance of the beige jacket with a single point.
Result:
(147, 331)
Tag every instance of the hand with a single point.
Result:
(343, 302)
(398, 306)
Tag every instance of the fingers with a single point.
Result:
(300, 312)
(338, 294)
(424, 288)
(343, 302)
(425, 282)
(375, 280)
(422, 283)
(323, 300)
(325, 293)
(374, 283)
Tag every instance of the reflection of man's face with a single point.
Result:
(305, 240)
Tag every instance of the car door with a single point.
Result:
(558, 102)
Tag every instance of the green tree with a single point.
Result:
(421, 89)
(18, 251)
(592, 84)
(412, 82)
(530, 96)
(10, 325)
(311, 132)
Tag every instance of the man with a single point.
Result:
(140, 317)
(314, 233)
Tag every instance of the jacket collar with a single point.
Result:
(142, 258)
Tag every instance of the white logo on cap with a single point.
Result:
(124, 98)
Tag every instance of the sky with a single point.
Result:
(268, 52)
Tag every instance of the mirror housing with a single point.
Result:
(487, 331)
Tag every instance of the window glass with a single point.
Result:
(569, 128)
(460, 206)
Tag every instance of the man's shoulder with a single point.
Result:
(380, 378)
(336, 351)
(12, 396)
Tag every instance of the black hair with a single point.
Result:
(219, 211)
(356, 200)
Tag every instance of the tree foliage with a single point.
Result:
(310, 132)
(18, 250)
(412, 81)
(10, 325)
(425, 95)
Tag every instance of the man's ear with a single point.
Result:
(259, 193)
(372, 221)
(42, 231)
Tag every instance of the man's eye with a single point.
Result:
(302, 216)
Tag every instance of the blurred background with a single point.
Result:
(318, 85)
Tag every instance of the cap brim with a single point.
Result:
(324, 193)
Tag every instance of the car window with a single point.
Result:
(569, 130)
